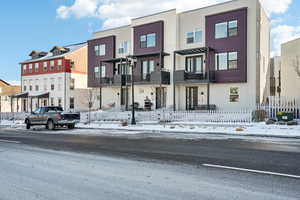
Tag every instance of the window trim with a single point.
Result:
(194, 36)
(202, 67)
(146, 40)
(228, 29)
(148, 68)
(227, 53)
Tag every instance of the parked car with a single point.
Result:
(52, 117)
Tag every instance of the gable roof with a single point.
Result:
(4, 82)
(49, 55)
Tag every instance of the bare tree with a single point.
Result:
(92, 98)
(296, 65)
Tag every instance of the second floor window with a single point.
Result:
(97, 72)
(194, 64)
(194, 37)
(24, 68)
(59, 65)
(30, 68)
(148, 40)
(226, 29)
(147, 69)
(226, 61)
(45, 66)
(124, 48)
(100, 50)
(36, 67)
(52, 65)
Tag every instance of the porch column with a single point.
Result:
(208, 77)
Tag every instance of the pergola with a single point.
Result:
(193, 51)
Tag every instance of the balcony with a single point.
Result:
(155, 78)
(181, 76)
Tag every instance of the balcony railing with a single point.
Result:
(181, 76)
(157, 77)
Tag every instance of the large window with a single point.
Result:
(194, 37)
(36, 67)
(30, 68)
(226, 61)
(52, 65)
(148, 40)
(123, 69)
(45, 66)
(59, 65)
(124, 48)
(100, 71)
(147, 68)
(100, 50)
(194, 64)
(97, 72)
(226, 29)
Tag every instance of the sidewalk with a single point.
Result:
(241, 129)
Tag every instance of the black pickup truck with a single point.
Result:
(52, 117)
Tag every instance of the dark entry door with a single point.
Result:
(124, 97)
(191, 98)
(161, 98)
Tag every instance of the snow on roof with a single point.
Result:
(49, 55)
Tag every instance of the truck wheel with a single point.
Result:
(50, 125)
(27, 124)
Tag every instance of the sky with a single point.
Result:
(40, 25)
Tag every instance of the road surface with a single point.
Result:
(36, 165)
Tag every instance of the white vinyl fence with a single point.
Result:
(283, 104)
(13, 116)
(244, 116)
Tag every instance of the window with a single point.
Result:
(226, 61)
(36, 67)
(30, 68)
(97, 72)
(25, 88)
(30, 87)
(148, 66)
(59, 65)
(148, 40)
(72, 84)
(232, 28)
(221, 61)
(221, 30)
(52, 65)
(123, 69)
(45, 66)
(100, 50)
(194, 64)
(103, 71)
(36, 88)
(194, 37)
(234, 94)
(24, 68)
(232, 60)
(226, 29)
(72, 102)
(123, 48)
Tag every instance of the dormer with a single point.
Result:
(56, 51)
(37, 54)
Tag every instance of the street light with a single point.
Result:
(133, 63)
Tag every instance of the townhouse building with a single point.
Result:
(6, 92)
(215, 57)
(290, 68)
(55, 78)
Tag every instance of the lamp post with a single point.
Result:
(100, 86)
(133, 63)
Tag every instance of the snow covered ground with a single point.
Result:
(236, 129)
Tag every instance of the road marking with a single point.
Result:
(10, 141)
(252, 171)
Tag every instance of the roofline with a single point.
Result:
(111, 29)
(290, 41)
(154, 14)
(5, 82)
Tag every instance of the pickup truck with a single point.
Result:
(52, 117)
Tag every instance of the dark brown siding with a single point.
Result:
(94, 60)
(237, 43)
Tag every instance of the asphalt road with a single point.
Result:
(51, 166)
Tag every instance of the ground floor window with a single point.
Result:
(52, 101)
(234, 94)
(59, 102)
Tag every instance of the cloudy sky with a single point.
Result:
(36, 24)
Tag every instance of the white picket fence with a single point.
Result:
(243, 116)
(283, 104)
(13, 116)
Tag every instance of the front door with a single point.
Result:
(124, 97)
(191, 98)
(161, 98)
